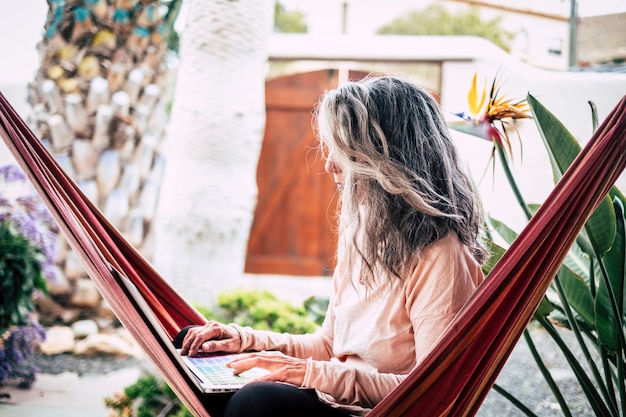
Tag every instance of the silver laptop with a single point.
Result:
(211, 371)
(208, 370)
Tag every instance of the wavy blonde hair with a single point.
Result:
(404, 186)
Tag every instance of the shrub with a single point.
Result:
(261, 310)
(147, 397)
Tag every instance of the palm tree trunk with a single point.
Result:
(99, 101)
(209, 190)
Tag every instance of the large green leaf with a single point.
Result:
(562, 149)
(509, 235)
(614, 260)
(545, 308)
(578, 295)
(616, 193)
(578, 262)
(504, 231)
(495, 253)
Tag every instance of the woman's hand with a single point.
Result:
(282, 368)
(212, 337)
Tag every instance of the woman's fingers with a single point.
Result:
(212, 337)
(245, 362)
(221, 345)
(196, 336)
(281, 367)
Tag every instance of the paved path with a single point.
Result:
(67, 395)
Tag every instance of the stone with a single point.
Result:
(104, 310)
(70, 315)
(106, 322)
(59, 339)
(48, 309)
(110, 344)
(62, 248)
(84, 328)
(61, 285)
(85, 294)
(73, 267)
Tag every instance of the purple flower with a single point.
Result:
(29, 217)
(11, 173)
(16, 352)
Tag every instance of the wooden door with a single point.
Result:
(293, 228)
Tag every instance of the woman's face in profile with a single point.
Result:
(332, 167)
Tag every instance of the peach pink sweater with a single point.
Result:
(370, 341)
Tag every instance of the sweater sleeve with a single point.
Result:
(379, 339)
(348, 385)
(316, 345)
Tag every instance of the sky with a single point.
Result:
(20, 30)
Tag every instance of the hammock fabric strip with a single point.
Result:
(454, 379)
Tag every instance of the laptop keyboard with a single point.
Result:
(214, 369)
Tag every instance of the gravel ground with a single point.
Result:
(84, 365)
(522, 378)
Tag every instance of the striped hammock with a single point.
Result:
(454, 378)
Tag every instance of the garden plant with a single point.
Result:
(587, 294)
(28, 239)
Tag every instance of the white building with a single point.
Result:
(542, 27)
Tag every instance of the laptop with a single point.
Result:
(208, 371)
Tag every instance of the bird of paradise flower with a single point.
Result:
(491, 117)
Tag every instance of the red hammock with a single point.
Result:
(456, 376)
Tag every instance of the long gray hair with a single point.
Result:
(404, 186)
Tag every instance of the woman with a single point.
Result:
(409, 256)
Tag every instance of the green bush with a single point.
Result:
(261, 310)
(20, 276)
(147, 397)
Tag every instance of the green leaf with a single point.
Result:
(316, 307)
(614, 260)
(495, 253)
(578, 262)
(594, 115)
(562, 149)
(544, 309)
(505, 232)
(578, 295)
(600, 226)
